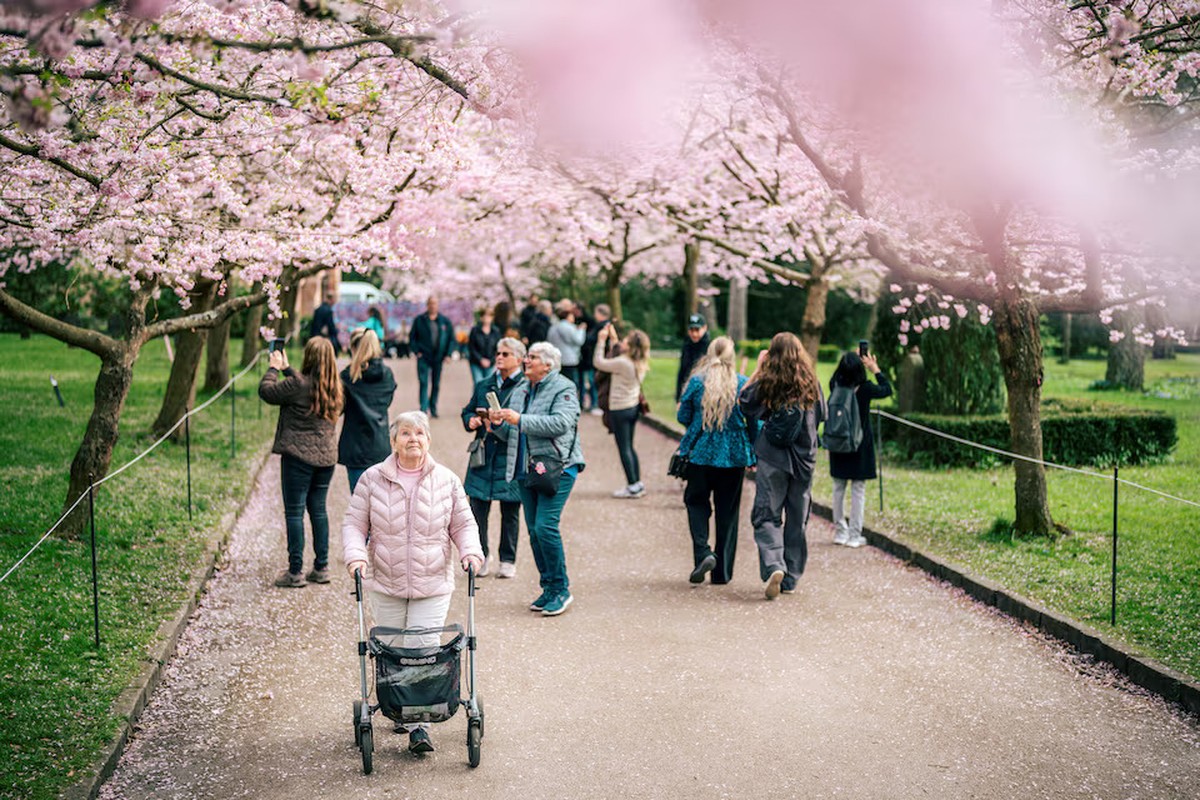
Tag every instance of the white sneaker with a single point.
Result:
(486, 569)
(630, 492)
(507, 570)
(842, 535)
(856, 540)
(597, 412)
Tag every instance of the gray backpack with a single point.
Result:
(843, 429)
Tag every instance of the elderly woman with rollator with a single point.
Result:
(488, 464)
(406, 517)
(544, 456)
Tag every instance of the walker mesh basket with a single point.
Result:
(417, 684)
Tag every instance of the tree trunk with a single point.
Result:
(707, 307)
(691, 294)
(1020, 346)
(253, 342)
(739, 293)
(1065, 356)
(216, 372)
(813, 324)
(181, 385)
(612, 285)
(1127, 358)
(94, 455)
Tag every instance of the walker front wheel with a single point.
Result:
(357, 721)
(474, 742)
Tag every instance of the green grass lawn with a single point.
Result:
(954, 513)
(57, 692)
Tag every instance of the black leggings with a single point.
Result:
(624, 423)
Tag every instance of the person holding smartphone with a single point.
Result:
(488, 482)
(854, 469)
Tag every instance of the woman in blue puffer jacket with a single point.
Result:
(718, 445)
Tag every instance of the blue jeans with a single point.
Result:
(429, 375)
(305, 487)
(542, 517)
(478, 373)
(588, 379)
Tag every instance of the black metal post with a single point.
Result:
(1113, 614)
(233, 420)
(879, 456)
(187, 438)
(259, 370)
(95, 577)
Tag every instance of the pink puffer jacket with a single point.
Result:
(406, 541)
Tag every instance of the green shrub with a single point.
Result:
(1074, 433)
(829, 353)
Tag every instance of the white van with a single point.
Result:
(362, 292)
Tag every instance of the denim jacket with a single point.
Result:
(730, 446)
(549, 422)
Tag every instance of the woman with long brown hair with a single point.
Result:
(305, 437)
(784, 395)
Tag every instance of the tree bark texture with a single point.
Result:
(813, 325)
(739, 293)
(252, 342)
(1065, 356)
(181, 385)
(612, 286)
(1127, 358)
(1020, 346)
(691, 286)
(216, 371)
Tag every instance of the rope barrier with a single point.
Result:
(1029, 459)
(129, 464)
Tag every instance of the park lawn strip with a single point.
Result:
(960, 515)
(57, 693)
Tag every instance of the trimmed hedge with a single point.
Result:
(1074, 433)
(826, 353)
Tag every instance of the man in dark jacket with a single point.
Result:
(324, 323)
(487, 482)
(602, 314)
(695, 345)
(527, 315)
(539, 326)
(431, 340)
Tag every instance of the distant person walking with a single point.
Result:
(590, 396)
(405, 516)
(481, 346)
(368, 386)
(489, 481)
(431, 341)
(374, 322)
(539, 325)
(695, 345)
(543, 438)
(784, 395)
(568, 335)
(527, 314)
(305, 437)
(856, 466)
(628, 370)
(718, 445)
(324, 322)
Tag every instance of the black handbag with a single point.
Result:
(678, 465)
(543, 476)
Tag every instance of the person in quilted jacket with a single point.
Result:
(719, 445)
(407, 516)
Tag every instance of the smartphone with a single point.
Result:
(276, 346)
(493, 401)
(481, 412)
(862, 347)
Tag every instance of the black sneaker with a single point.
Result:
(703, 568)
(419, 742)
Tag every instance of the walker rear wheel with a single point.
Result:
(357, 719)
(367, 745)
(474, 742)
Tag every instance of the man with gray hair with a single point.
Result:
(487, 466)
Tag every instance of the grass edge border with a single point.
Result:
(1141, 670)
(133, 699)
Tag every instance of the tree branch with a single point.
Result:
(92, 341)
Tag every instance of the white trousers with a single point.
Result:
(858, 502)
(422, 612)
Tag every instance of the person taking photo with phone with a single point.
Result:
(487, 466)
(849, 439)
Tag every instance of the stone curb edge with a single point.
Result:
(1145, 672)
(132, 700)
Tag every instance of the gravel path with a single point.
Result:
(871, 681)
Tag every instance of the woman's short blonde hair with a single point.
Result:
(411, 419)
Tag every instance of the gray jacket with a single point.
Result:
(550, 422)
(569, 341)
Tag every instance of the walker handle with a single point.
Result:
(471, 580)
(358, 585)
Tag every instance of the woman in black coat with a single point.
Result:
(858, 467)
(368, 385)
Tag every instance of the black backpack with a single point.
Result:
(843, 429)
(786, 426)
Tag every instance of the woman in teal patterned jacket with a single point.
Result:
(719, 446)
